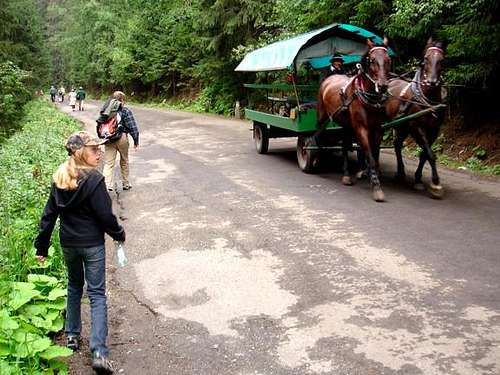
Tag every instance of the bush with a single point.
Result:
(32, 296)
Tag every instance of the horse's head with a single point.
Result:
(378, 65)
(431, 66)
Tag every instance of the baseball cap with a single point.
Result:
(79, 140)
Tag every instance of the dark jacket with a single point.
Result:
(330, 71)
(85, 213)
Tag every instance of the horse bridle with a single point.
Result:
(441, 52)
(372, 100)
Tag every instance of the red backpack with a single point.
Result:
(109, 122)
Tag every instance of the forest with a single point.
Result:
(186, 50)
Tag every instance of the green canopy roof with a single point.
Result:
(316, 47)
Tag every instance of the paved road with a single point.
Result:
(242, 264)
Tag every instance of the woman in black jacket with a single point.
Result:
(79, 197)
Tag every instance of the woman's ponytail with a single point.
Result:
(66, 176)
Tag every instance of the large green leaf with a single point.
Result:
(58, 304)
(34, 310)
(58, 365)
(56, 293)
(4, 349)
(27, 344)
(55, 351)
(42, 323)
(19, 297)
(22, 286)
(52, 314)
(42, 280)
(6, 322)
(7, 369)
(57, 324)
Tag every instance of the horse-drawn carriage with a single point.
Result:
(348, 109)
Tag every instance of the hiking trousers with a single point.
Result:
(110, 149)
(87, 264)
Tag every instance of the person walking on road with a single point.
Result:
(62, 92)
(72, 99)
(53, 92)
(128, 125)
(80, 97)
(79, 198)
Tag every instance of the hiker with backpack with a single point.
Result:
(80, 97)
(53, 92)
(79, 198)
(114, 124)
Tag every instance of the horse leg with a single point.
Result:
(436, 189)
(362, 168)
(425, 154)
(400, 136)
(378, 194)
(346, 143)
(375, 142)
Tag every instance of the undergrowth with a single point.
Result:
(32, 296)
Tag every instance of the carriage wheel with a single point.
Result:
(307, 159)
(261, 137)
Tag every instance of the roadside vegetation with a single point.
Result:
(32, 296)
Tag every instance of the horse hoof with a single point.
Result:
(361, 175)
(437, 191)
(378, 195)
(347, 180)
(419, 186)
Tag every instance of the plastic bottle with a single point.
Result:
(120, 254)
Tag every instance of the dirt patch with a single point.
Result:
(462, 143)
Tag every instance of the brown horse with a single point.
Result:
(357, 104)
(423, 92)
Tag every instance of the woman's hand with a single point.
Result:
(40, 258)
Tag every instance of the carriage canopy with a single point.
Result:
(317, 47)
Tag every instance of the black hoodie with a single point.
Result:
(86, 214)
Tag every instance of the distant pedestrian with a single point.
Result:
(72, 99)
(121, 145)
(53, 92)
(79, 198)
(62, 92)
(80, 97)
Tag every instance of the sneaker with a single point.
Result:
(127, 187)
(73, 343)
(101, 365)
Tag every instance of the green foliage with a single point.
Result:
(187, 48)
(479, 152)
(13, 96)
(32, 296)
(22, 39)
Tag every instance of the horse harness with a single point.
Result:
(418, 97)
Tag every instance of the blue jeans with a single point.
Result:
(87, 263)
